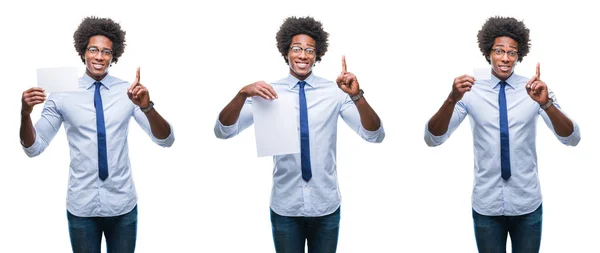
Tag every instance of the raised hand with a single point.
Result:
(460, 86)
(347, 81)
(260, 88)
(137, 93)
(30, 98)
(537, 89)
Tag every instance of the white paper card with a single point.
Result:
(62, 79)
(276, 125)
(482, 74)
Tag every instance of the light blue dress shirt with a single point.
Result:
(320, 196)
(87, 195)
(492, 195)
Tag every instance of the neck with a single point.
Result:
(501, 78)
(97, 78)
(300, 77)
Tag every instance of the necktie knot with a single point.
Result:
(503, 84)
(98, 84)
(302, 84)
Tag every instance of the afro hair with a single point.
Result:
(293, 26)
(92, 26)
(496, 27)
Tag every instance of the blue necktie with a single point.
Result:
(304, 141)
(504, 147)
(101, 132)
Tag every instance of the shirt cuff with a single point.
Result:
(166, 142)
(224, 132)
(433, 140)
(573, 139)
(373, 136)
(34, 149)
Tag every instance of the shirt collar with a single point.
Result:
(88, 81)
(293, 81)
(511, 80)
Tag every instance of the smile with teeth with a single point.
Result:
(504, 68)
(301, 64)
(98, 66)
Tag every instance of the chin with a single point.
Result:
(302, 73)
(504, 74)
(98, 72)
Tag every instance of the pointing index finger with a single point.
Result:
(137, 75)
(344, 63)
(537, 71)
(136, 82)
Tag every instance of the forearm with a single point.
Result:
(368, 117)
(159, 127)
(438, 124)
(230, 114)
(27, 131)
(563, 126)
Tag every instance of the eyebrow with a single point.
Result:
(100, 48)
(502, 45)
(299, 43)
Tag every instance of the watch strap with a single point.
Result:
(358, 96)
(147, 109)
(547, 105)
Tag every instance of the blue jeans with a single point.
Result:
(291, 233)
(119, 231)
(525, 232)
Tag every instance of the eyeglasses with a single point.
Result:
(501, 52)
(308, 51)
(95, 50)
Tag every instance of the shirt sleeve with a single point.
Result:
(245, 120)
(45, 128)
(350, 115)
(142, 120)
(571, 140)
(458, 115)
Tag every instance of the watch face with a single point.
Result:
(360, 94)
(547, 105)
(147, 109)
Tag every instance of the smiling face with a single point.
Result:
(503, 57)
(300, 61)
(98, 56)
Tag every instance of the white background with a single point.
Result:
(211, 195)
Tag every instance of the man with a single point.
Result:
(503, 113)
(305, 199)
(101, 196)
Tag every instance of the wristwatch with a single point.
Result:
(547, 105)
(357, 97)
(147, 109)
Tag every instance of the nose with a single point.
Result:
(98, 56)
(303, 54)
(505, 57)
